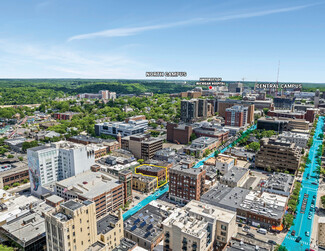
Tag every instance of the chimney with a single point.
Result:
(119, 139)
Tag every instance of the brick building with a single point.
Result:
(179, 134)
(186, 184)
(236, 116)
(105, 191)
(224, 104)
(156, 171)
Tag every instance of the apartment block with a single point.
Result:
(186, 184)
(13, 173)
(228, 103)
(107, 192)
(212, 131)
(278, 155)
(65, 115)
(142, 146)
(194, 109)
(199, 227)
(236, 116)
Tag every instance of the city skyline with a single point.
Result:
(232, 40)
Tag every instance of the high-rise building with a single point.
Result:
(198, 226)
(224, 104)
(73, 226)
(125, 177)
(186, 184)
(316, 99)
(59, 161)
(194, 109)
(236, 116)
(189, 110)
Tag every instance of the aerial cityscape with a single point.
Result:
(162, 126)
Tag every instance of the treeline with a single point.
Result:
(14, 92)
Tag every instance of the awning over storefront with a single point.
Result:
(278, 228)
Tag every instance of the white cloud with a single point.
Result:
(123, 32)
(33, 60)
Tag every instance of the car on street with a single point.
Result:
(245, 230)
(314, 183)
(314, 196)
(250, 235)
(307, 233)
(261, 231)
(298, 239)
(271, 242)
(309, 217)
(137, 197)
(293, 233)
(240, 225)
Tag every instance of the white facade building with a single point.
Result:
(298, 138)
(124, 128)
(59, 161)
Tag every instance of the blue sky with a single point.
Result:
(232, 39)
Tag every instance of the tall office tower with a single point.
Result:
(72, 227)
(316, 99)
(236, 116)
(235, 87)
(59, 161)
(203, 108)
(189, 110)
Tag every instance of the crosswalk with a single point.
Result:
(292, 238)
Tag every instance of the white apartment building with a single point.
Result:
(198, 226)
(58, 161)
(298, 138)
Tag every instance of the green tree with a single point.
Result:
(10, 156)
(140, 161)
(280, 248)
(254, 146)
(265, 110)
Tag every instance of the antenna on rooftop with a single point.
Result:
(277, 78)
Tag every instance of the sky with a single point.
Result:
(232, 39)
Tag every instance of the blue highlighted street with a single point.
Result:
(302, 225)
(146, 201)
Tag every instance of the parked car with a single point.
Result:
(262, 231)
(271, 242)
(240, 225)
(137, 197)
(307, 233)
(298, 239)
(250, 235)
(293, 233)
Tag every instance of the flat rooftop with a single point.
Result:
(146, 223)
(106, 224)
(234, 174)
(90, 184)
(125, 245)
(225, 197)
(72, 205)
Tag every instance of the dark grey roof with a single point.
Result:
(106, 224)
(125, 245)
(72, 205)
